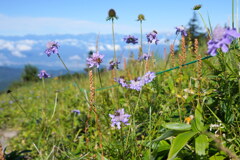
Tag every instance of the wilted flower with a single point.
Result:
(148, 77)
(43, 74)
(119, 117)
(144, 57)
(76, 111)
(122, 82)
(197, 7)
(188, 119)
(130, 39)
(136, 84)
(141, 17)
(95, 60)
(111, 15)
(113, 65)
(152, 36)
(181, 29)
(52, 47)
(221, 38)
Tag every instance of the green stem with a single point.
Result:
(113, 37)
(232, 13)
(141, 38)
(150, 130)
(55, 105)
(99, 77)
(122, 138)
(205, 25)
(19, 104)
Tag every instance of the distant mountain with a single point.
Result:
(16, 51)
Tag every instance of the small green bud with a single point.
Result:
(112, 14)
(141, 17)
(197, 7)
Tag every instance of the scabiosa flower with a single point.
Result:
(119, 117)
(43, 74)
(181, 29)
(76, 111)
(148, 77)
(95, 60)
(52, 47)
(152, 36)
(136, 84)
(113, 65)
(144, 57)
(221, 38)
(130, 39)
(122, 82)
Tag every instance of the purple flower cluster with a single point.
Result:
(130, 39)
(181, 29)
(113, 65)
(152, 37)
(43, 74)
(137, 83)
(221, 38)
(76, 111)
(119, 117)
(52, 47)
(144, 57)
(95, 60)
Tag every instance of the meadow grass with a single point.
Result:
(187, 113)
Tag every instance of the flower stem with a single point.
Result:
(122, 138)
(99, 77)
(55, 104)
(150, 130)
(232, 13)
(113, 37)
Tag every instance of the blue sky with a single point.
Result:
(21, 17)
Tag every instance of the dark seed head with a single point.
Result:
(141, 17)
(197, 7)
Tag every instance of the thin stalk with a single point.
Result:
(99, 77)
(44, 94)
(113, 37)
(18, 104)
(205, 25)
(232, 13)
(150, 130)
(122, 139)
(141, 37)
(55, 104)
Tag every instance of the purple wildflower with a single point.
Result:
(148, 77)
(136, 84)
(76, 111)
(95, 60)
(181, 29)
(152, 36)
(144, 57)
(113, 65)
(119, 117)
(130, 39)
(43, 74)
(52, 47)
(122, 82)
(221, 38)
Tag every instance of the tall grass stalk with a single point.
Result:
(55, 104)
(232, 13)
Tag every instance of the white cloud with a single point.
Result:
(75, 57)
(129, 46)
(110, 47)
(16, 47)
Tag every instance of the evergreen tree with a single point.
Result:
(30, 73)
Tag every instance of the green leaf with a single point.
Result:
(179, 142)
(177, 126)
(218, 156)
(199, 125)
(167, 134)
(201, 144)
